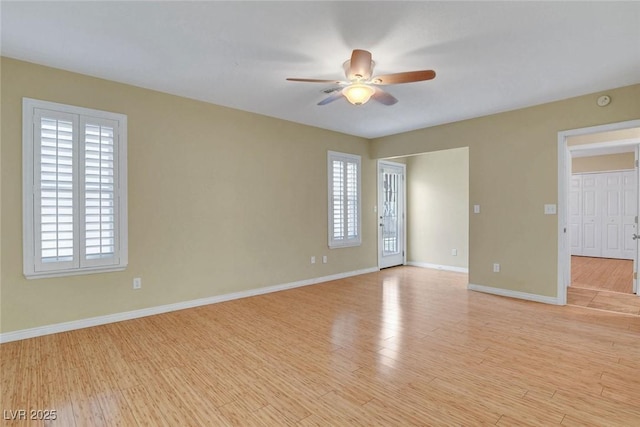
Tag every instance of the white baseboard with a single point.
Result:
(513, 294)
(118, 317)
(439, 267)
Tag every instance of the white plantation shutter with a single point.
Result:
(55, 159)
(74, 190)
(337, 210)
(99, 192)
(353, 199)
(344, 199)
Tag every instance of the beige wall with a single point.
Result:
(512, 173)
(607, 162)
(438, 207)
(220, 201)
(599, 137)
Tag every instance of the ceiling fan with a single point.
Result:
(361, 87)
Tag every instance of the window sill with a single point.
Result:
(50, 274)
(344, 245)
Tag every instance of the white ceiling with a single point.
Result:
(489, 56)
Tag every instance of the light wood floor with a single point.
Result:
(405, 346)
(603, 283)
(604, 300)
(603, 274)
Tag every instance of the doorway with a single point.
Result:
(391, 214)
(436, 206)
(602, 209)
(580, 237)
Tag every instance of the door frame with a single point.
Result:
(380, 163)
(564, 177)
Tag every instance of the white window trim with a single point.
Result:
(357, 241)
(29, 107)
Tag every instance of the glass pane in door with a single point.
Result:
(389, 215)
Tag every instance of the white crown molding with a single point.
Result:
(128, 315)
(514, 294)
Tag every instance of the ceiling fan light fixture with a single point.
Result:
(358, 94)
(360, 87)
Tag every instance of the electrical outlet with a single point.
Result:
(137, 283)
(324, 259)
(313, 260)
(496, 268)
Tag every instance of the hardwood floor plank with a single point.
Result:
(84, 399)
(116, 410)
(197, 409)
(599, 409)
(146, 409)
(604, 300)
(605, 274)
(579, 296)
(236, 414)
(578, 421)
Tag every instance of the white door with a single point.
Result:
(575, 214)
(591, 228)
(391, 218)
(612, 215)
(606, 224)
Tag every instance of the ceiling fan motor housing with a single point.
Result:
(356, 77)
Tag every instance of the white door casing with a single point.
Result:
(634, 244)
(628, 213)
(391, 214)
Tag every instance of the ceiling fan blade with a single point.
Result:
(360, 65)
(329, 90)
(314, 80)
(332, 98)
(406, 77)
(384, 97)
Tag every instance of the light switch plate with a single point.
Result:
(476, 208)
(550, 209)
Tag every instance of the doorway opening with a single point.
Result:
(436, 202)
(598, 217)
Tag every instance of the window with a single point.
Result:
(344, 200)
(74, 190)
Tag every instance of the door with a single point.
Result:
(391, 218)
(612, 215)
(602, 214)
(591, 229)
(575, 214)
